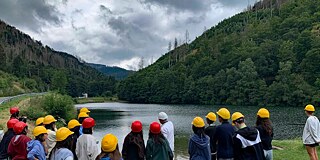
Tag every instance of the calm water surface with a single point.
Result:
(116, 118)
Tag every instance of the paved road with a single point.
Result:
(6, 99)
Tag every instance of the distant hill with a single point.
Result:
(267, 55)
(117, 72)
(47, 69)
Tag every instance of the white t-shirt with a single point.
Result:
(311, 131)
(167, 130)
(87, 147)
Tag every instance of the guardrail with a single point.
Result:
(8, 99)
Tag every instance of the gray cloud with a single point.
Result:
(183, 5)
(32, 14)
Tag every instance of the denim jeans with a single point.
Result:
(268, 154)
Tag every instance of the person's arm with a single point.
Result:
(164, 131)
(32, 154)
(312, 126)
(237, 148)
(149, 150)
(125, 148)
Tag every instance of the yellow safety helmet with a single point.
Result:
(236, 115)
(263, 113)
(109, 143)
(84, 109)
(39, 121)
(49, 119)
(309, 108)
(198, 122)
(82, 114)
(63, 133)
(73, 123)
(39, 130)
(224, 113)
(211, 116)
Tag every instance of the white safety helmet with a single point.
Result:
(162, 116)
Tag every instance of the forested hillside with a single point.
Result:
(42, 68)
(116, 72)
(268, 55)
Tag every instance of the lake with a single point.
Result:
(116, 118)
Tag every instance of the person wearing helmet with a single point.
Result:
(36, 147)
(247, 142)
(17, 148)
(39, 121)
(311, 132)
(133, 145)
(85, 110)
(158, 147)
(263, 124)
(62, 149)
(14, 111)
(210, 131)
(81, 117)
(7, 138)
(199, 143)
(50, 124)
(74, 126)
(167, 129)
(223, 135)
(109, 148)
(87, 147)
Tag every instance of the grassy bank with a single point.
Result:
(95, 100)
(292, 150)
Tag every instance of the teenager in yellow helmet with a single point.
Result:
(50, 124)
(210, 131)
(223, 135)
(263, 124)
(36, 148)
(81, 117)
(109, 148)
(199, 143)
(311, 132)
(62, 149)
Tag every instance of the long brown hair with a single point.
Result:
(265, 123)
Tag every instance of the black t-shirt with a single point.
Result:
(210, 131)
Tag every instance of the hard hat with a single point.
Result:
(109, 143)
(236, 115)
(14, 110)
(211, 116)
(88, 123)
(198, 122)
(84, 109)
(73, 123)
(155, 128)
(19, 127)
(309, 108)
(49, 119)
(162, 116)
(82, 115)
(39, 130)
(263, 113)
(11, 123)
(39, 121)
(224, 113)
(136, 126)
(63, 133)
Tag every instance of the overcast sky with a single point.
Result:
(116, 32)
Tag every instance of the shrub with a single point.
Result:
(59, 106)
(35, 110)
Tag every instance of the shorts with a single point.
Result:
(312, 145)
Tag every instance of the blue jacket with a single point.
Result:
(80, 131)
(199, 147)
(107, 158)
(35, 150)
(223, 137)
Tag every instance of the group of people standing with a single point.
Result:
(235, 141)
(77, 142)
